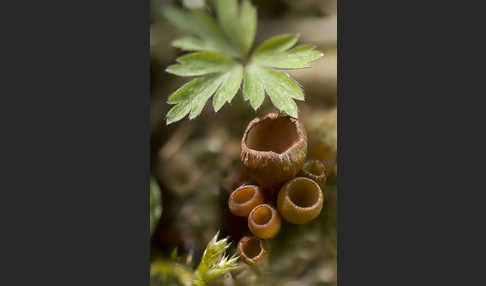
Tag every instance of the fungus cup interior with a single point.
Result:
(304, 193)
(243, 195)
(315, 167)
(276, 135)
(251, 247)
(262, 215)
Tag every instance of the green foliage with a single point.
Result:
(221, 60)
(201, 63)
(240, 28)
(275, 53)
(279, 86)
(198, 22)
(155, 204)
(214, 263)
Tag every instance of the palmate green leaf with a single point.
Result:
(229, 87)
(248, 24)
(200, 64)
(275, 53)
(192, 97)
(219, 46)
(227, 11)
(178, 112)
(281, 89)
(252, 87)
(299, 57)
(193, 44)
(238, 24)
(276, 44)
(199, 23)
(282, 83)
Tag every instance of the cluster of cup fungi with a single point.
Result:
(286, 185)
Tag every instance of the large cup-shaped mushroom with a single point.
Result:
(264, 221)
(244, 199)
(273, 149)
(300, 200)
(251, 250)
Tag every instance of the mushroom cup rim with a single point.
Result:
(247, 202)
(318, 188)
(272, 218)
(272, 154)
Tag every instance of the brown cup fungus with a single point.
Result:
(274, 149)
(251, 250)
(315, 170)
(264, 221)
(244, 199)
(300, 200)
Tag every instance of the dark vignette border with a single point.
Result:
(75, 143)
(408, 212)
